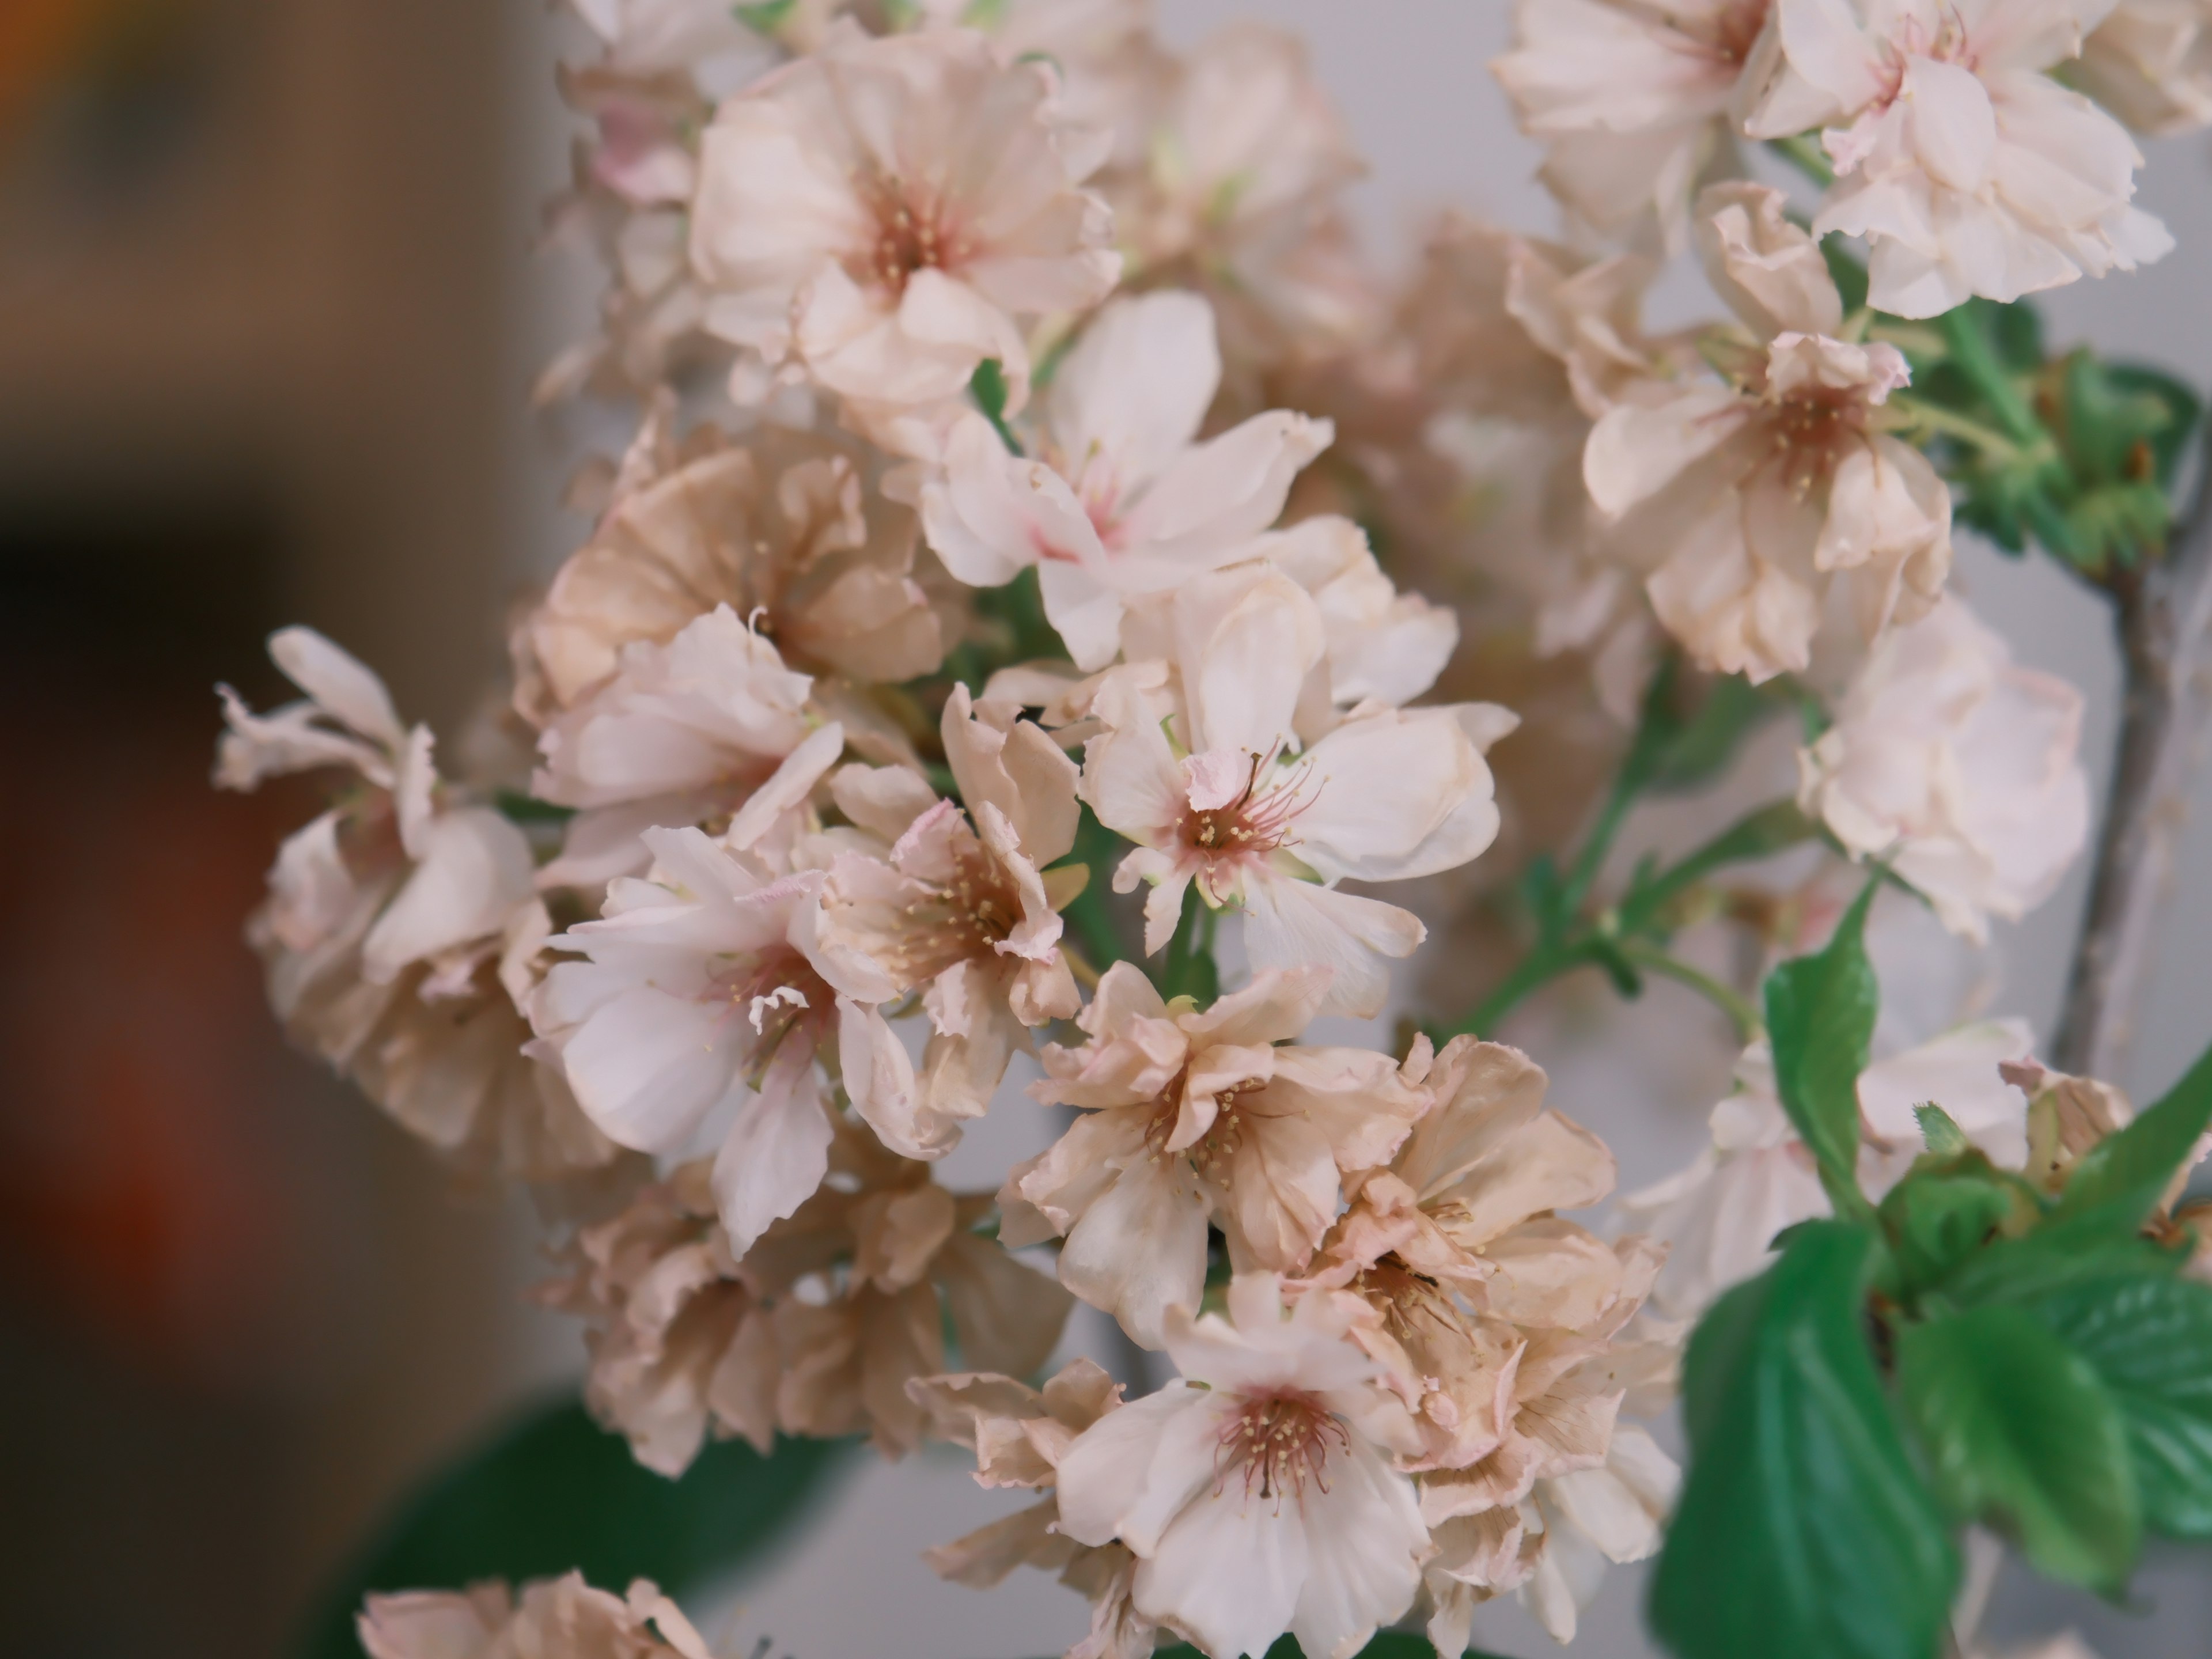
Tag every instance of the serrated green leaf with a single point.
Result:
(2169, 442)
(2019, 1431)
(1937, 1217)
(1939, 1130)
(1821, 1012)
(2124, 1175)
(551, 1492)
(2150, 1340)
(2062, 1251)
(1803, 1528)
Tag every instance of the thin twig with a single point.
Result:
(2162, 614)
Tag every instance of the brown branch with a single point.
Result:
(2162, 611)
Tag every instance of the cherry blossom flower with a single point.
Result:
(1758, 489)
(1634, 102)
(1237, 193)
(1256, 1492)
(1233, 806)
(958, 911)
(1958, 766)
(1193, 1116)
(1384, 647)
(553, 1618)
(1968, 169)
(399, 924)
(1018, 1435)
(884, 210)
(820, 1327)
(1453, 1245)
(1116, 499)
(780, 526)
(707, 986)
(2150, 63)
(1552, 1547)
(709, 729)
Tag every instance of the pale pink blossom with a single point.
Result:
(401, 924)
(1966, 168)
(1552, 1548)
(1257, 1492)
(1018, 1435)
(1758, 489)
(1455, 1246)
(1193, 1116)
(707, 987)
(1632, 102)
(1116, 499)
(783, 527)
(709, 729)
(1384, 647)
(886, 212)
(1236, 188)
(1958, 767)
(820, 1327)
(1719, 1216)
(958, 911)
(2150, 63)
(1231, 804)
(553, 1618)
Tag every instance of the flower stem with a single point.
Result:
(1934, 417)
(1729, 1001)
(1976, 359)
(1802, 151)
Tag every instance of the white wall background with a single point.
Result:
(1410, 76)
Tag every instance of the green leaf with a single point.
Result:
(2124, 1175)
(1848, 275)
(1820, 1013)
(1938, 1215)
(1090, 915)
(988, 386)
(2063, 1251)
(1939, 1130)
(552, 1491)
(1803, 1528)
(2020, 1432)
(1188, 969)
(2150, 1340)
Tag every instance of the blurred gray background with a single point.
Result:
(268, 318)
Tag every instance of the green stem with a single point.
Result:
(1934, 417)
(1729, 1001)
(1769, 829)
(1802, 151)
(1976, 359)
(1538, 968)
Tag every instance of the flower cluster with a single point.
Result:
(993, 640)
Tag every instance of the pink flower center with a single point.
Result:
(1810, 433)
(773, 995)
(963, 920)
(1256, 823)
(915, 230)
(1281, 1442)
